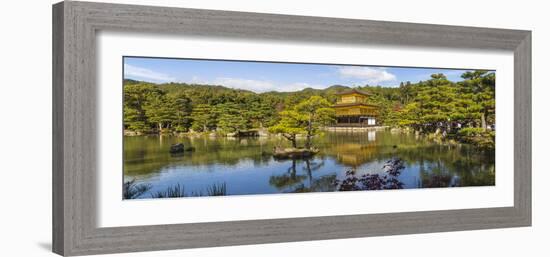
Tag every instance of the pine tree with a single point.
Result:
(231, 118)
(203, 117)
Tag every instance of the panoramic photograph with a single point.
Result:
(203, 128)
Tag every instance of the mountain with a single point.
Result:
(172, 87)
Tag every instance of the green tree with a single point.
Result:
(182, 107)
(304, 118)
(433, 107)
(260, 113)
(231, 118)
(481, 84)
(160, 109)
(203, 117)
(438, 104)
(314, 112)
(135, 119)
(135, 99)
(289, 126)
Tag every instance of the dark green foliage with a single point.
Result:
(182, 108)
(135, 98)
(439, 105)
(477, 136)
(231, 117)
(204, 118)
(147, 107)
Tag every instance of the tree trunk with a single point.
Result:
(160, 127)
(309, 134)
(308, 141)
(483, 121)
(291, 138)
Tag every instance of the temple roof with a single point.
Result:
(353, 104)
(353, 91)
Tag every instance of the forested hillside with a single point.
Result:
(432, 106)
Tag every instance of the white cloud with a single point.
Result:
(260, 86)
(246, 84)
(146, 74)
(299, 86)
(367, 74)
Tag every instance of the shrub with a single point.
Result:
(478, 137)
(470, 132)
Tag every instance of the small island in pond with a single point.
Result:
(216, 128)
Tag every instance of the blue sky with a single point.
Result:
(264, 76)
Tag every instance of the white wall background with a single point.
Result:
(25, 128)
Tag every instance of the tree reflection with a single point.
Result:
(428, 164)
(306, 182)
(288, 179)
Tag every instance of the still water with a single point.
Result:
(245, 165)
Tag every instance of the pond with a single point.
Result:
(244, 166)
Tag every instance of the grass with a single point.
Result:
(171, 192)
(178, 191)
(217, 190)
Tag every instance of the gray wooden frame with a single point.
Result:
(74, 129)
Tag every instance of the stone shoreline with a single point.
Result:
(358, 129)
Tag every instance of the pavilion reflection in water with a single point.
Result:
(354, 154)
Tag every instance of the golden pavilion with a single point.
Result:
(353, 110)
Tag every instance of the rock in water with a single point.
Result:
(177, 148)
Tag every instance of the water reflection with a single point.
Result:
(371, 135)
(306, 181)
(246, 166)
(378, 181)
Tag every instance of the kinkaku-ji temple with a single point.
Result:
(354, 110)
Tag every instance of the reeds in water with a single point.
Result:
(178, 190)
(171, 192)
(217, 190)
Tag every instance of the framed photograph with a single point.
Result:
(183, 128)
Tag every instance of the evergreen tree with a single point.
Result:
(304, 118)
(203, 117)
(314, 112)
(481, 84)
(260, 113)
(231, 118)
(289, 126)
(160, 109)
(182, 107)
(135, 98)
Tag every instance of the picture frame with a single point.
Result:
(75, 25)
